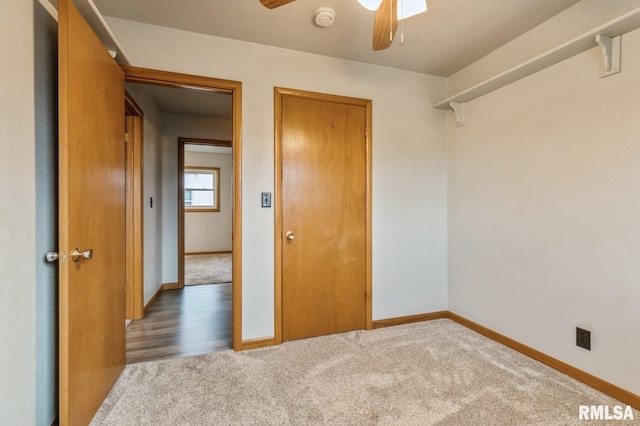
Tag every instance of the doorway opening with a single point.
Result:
(205, 250)
(183, 105)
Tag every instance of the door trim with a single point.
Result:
(166, 78)
(134, 206)
(279, 93)
(181, 143)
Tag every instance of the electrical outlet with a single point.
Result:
(266, 199)
(583, 338)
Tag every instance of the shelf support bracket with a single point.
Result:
(611, 53)
(458, 108)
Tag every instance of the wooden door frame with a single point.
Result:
(279, 94)
(234, 88)
(181, 210)
(134, 206)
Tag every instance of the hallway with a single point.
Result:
(193, 321)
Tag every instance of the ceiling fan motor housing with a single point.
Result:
(324, 17)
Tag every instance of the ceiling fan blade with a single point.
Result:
(385, 24)
(272, 4)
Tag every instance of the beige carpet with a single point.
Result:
(430, 373)
(207, 269)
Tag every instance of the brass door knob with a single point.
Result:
(289, 236)
(78, 254)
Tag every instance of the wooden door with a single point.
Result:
(92, 217)
(324, 216)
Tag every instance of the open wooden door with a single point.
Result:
(92, 219)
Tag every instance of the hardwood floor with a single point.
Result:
(193, 321)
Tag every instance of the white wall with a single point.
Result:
(409, 207)
(544, 208)
(152, 188)
(175, 126)
(17, 216)
(211, 231)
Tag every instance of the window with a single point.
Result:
(202, 189)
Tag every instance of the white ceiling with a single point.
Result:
(451, 35)
(188, 101)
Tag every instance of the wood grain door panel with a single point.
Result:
(324, 184)
(92, 216)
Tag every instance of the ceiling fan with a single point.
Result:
(386, 21)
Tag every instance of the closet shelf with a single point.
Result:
(623, 24)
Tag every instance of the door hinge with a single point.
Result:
(126, 138)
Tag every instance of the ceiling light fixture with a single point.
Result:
(406, 8)
(409, 8)
(370, 4)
